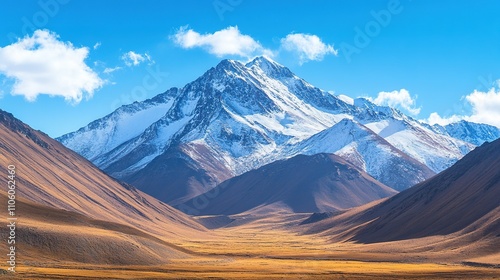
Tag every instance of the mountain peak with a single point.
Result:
(269, 67)
(229, 64)
(380, 110)
(262, 60)
(364, 102)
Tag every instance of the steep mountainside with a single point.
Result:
(302, 184)
(52, 175)
(462, 201)
(435, 149)
(190, 168)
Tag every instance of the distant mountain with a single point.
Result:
(473, 133)
(302, 184)
(64, 198)
(435, 149)
(460, 202)
(368, 151)
(237, 117)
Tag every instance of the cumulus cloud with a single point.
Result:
(435, 118)
(400, 99)
(308, 47)
(485, 106)
(227, 41)
(485, 109)
(97, 45)
(132, 58)
(42, 64)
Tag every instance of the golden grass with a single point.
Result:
(261, 268)
(250, 252)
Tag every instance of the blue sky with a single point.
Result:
(428, 58)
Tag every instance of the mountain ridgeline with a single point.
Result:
(238, 117)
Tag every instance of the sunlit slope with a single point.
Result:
(52, 175)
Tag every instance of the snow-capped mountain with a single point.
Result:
(368, 151)
(436, 150)
(237, 117)
(127, 122)
(473, 133)
(239, 110)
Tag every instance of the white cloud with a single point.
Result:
(485, 106)
(308, 47)
(133, 59)
(485, 109)
(400, 99)
(108, 70)
(227, 41)
(41, 64)
(435, 118)
(97, 45)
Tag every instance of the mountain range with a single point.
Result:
(238, 117)
(75, 221)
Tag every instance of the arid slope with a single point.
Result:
(52, 182)
(458, 208)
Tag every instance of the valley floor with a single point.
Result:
(271, 249)
(260, 268)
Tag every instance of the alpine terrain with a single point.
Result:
(238, 117)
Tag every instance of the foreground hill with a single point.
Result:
(461, 204)
(47, 234)
(466, 196)
(54, 177)
(302, 184)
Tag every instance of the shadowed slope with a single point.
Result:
(180, 173)
(453, 200)
(315, 183)
(461, 202)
